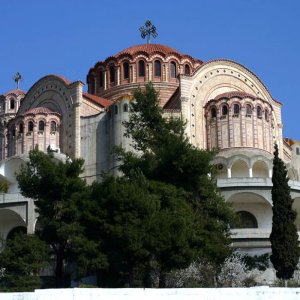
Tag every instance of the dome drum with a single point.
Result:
(239, 122)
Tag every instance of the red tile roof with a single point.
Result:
(148, 48)
(237, 94)
(39, 110)
(98, 100)
(16, 92)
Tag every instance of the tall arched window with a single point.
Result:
(53, 126)
(173, 69)
(12, 103)
(101, 78)
(259, 112)
(248, 110)
(236, 109)
(41, 125)
(187, 70)
(157, 68)
(112, 73)
(125, 107)
(125, 70)
(213, 112)
(141, 68)
(30, 126)
(21, 128)
(267, 115)
(224, 110)
(116, 109)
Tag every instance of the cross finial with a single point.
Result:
(17, 79)
(148, 30)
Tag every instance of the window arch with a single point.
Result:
(259, 112)
(12, 103)
(30, 126)
(213, 112)
(41, 125)
(157, 68)
(101, 78)
(173, 69)
(53, 126)
(248, 110)
(21, 128)
(187, 70)
(247, 220)
(112, 73)
(125, 107)
(125, 70)
(141, 68)
(236, 109)
(224, 110)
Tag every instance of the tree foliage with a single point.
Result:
(58, 190)
(284, 237)
(162, 152)
(22, 260)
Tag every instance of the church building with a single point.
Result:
(225, 105)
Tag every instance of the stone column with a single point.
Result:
(74, 141)
(228, 172)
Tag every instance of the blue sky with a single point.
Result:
(67, 37)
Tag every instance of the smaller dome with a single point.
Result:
(39, 110)
(16, 92)
(234, 94)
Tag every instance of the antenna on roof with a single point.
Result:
(148, 30)
(17, 78)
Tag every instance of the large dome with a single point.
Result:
(149, 49)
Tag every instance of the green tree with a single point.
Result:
(58, 192)
(163, 153)
(23, 258)
(284, 237)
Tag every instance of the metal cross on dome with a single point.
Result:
(148, 30)
(17, 79)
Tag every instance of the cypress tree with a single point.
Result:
(284, 237)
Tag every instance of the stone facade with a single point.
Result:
(225, 105)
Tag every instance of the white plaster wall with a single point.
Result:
(262, 293)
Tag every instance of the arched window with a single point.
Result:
(187, 70)
(173, 69)
(297, 151)
(116, 109)
(53, 126)
(30, 126)
(112, 73)
(213, 112)
(12, 103)
(125, 107)
(247, 220)
(236, 109)
(224, 110)
(41, 125)
(157, 68)
(259, 112)
(101, 78)
(248, 110)
(141, 68)
(13, 132)
(125, 70)
(267, 115)
(21, 128)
